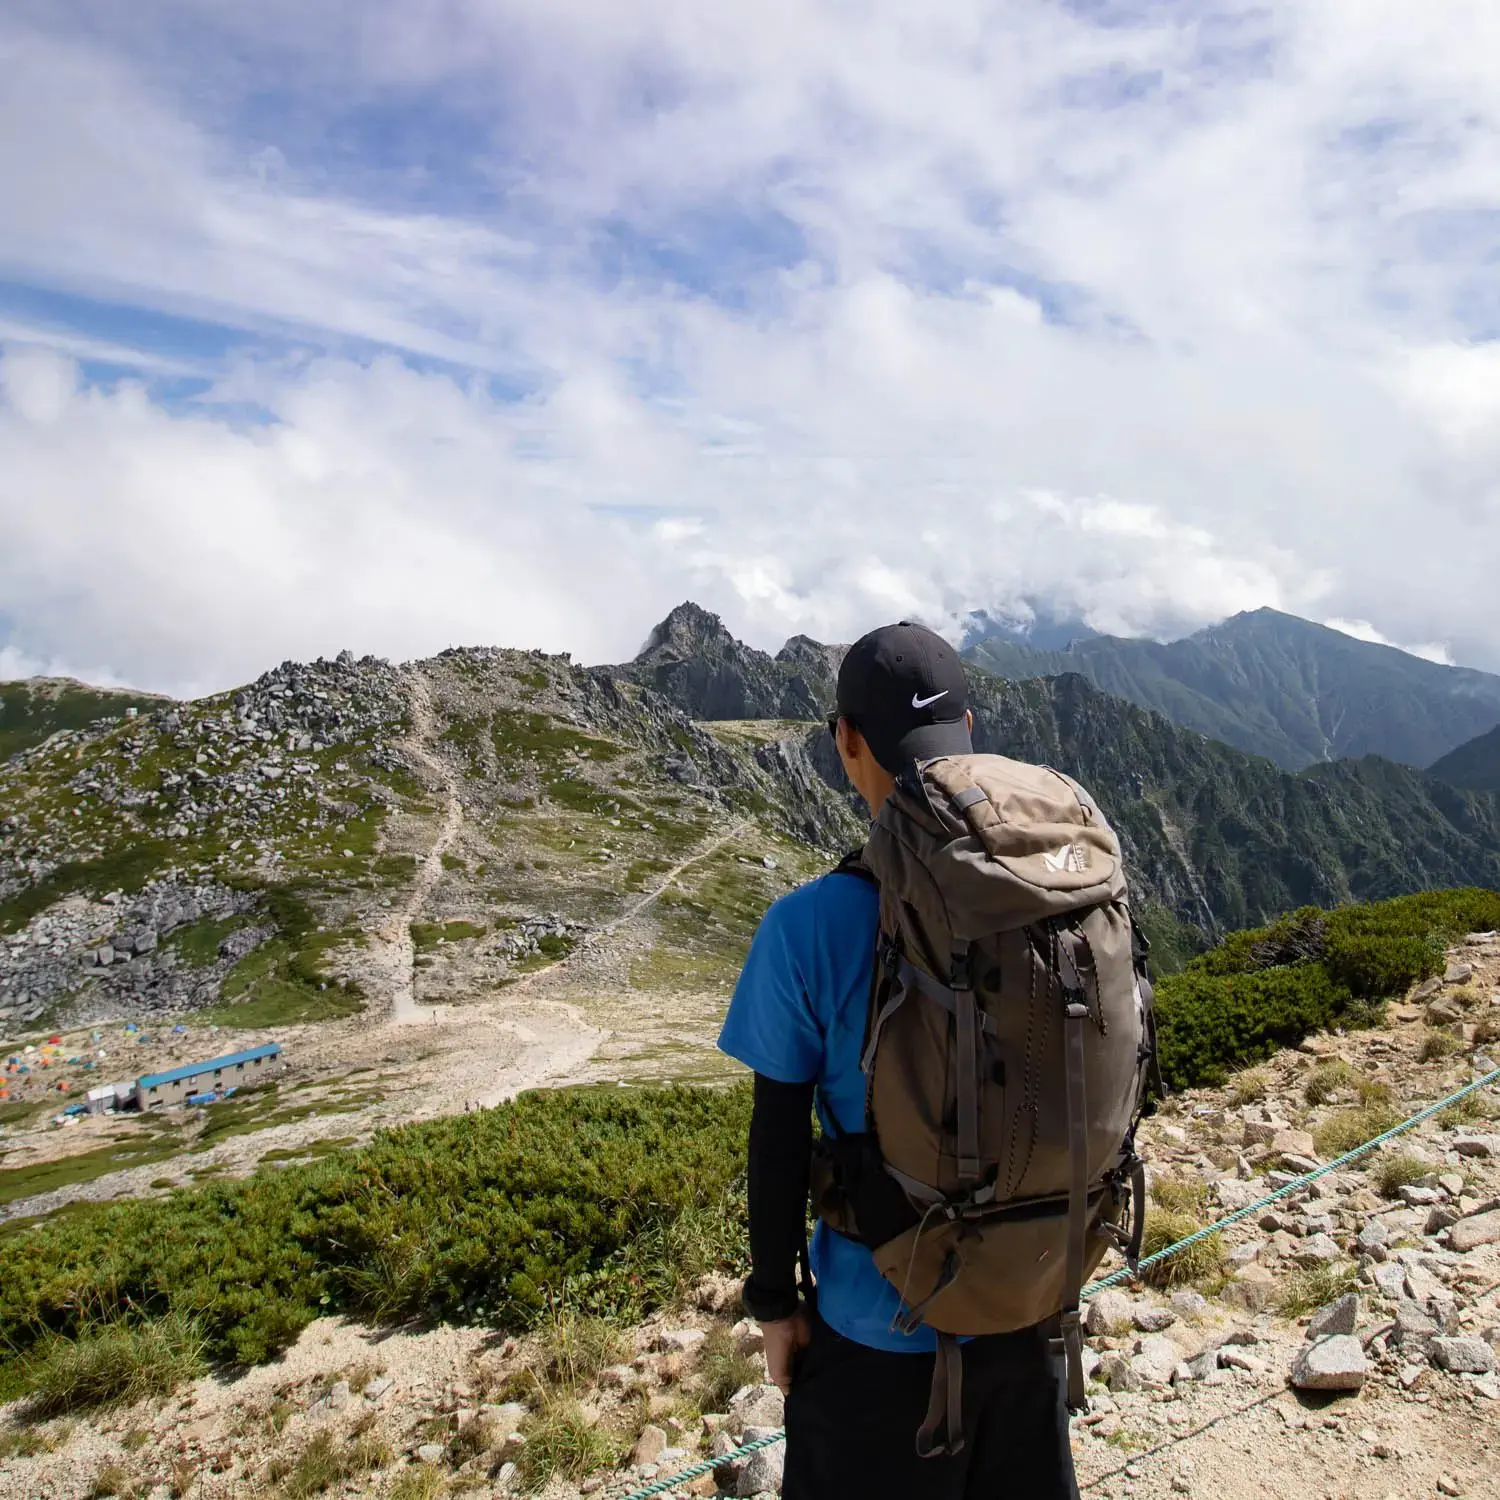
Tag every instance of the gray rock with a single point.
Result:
(1419, 1197)
(680, 1340)
(145, 942)
(1319, 1250)
(1153, 1319)
(338, 1395)
(1390, 1280)
(1201, 1366)
(1189, 1304)
(648, 1447)
(1340, 1316)
(1334, 1363)
(1480, 1146)
(431, 1453)
(1373, 1236)
(758, 1406)
(1414, 1330)
(1109, 1312)
(1463, 1356)
(1470, 1234)
(763, 1471)
(378, 1387)
(1155, 1360)
(1118, 1373)
(1458, 973)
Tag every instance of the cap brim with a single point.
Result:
(928, 741)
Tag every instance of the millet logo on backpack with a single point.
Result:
(1071, 857)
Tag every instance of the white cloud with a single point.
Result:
(1362, 630)
(1155, 321)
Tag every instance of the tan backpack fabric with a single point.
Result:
(1007, 1053)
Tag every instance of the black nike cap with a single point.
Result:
(903, 688)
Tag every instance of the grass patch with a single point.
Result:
(519, 737)
(1200, 1263)
(562, 1442)
(1327, 1079)
(84, 1166)
(426, 936)
(325, 1463)
(112, 1362)
(197, 944)
(723, 1368)
(1395, 1171)
(1181, 1195)
(1250, 1086)
(1437, 1045)
(1307, 1290)
(110, 1480)
(420, 1482)
(1349, 1128)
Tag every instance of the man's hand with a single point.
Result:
(784, 1337)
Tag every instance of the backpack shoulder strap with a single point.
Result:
(853, 863)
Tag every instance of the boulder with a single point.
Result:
(1458, 973)
(1155, 1359)
(680, 1340)
(1340, 1316)
(1294, 1143)
(1481, 1146)
(763, 1471)
(1470, 1234)
(1334, 1363)
(1153, 1319)
(1317, 1250)
(1463, 1356)
(1189, 1304)
(1109, 1312)
(1414, 1330)
(757, 1406)
(649, 1446)
(1251, 1288)
(1443, 1012)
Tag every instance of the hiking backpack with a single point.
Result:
(1008, 1048)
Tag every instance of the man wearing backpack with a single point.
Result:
(934, 999)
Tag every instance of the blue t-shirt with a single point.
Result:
(798, 1016)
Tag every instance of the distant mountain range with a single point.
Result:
(1474, 765)
(1278, 686)
(40, 706)
(1218, 837)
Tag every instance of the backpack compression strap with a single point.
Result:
(1066, 944)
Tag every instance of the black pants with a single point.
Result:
(853, 1413)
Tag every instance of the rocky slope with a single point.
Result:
(1278, 686)
(1348, 1333)
(693, 661)
(134, 854)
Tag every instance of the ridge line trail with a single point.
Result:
(392, 954)
(592, 940)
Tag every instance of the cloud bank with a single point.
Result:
(397, 327)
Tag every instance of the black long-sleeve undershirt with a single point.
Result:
(780, 1160)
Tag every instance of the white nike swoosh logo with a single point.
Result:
(917, 702)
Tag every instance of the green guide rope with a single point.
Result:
(707, 1466)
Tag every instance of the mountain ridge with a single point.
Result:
(1276, 685)
(1474, 765)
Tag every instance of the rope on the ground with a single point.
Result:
(663, 1486)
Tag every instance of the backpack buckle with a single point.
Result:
(960, 973)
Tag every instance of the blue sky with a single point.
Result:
(398, 326)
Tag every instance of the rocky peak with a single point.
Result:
(689, 628)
